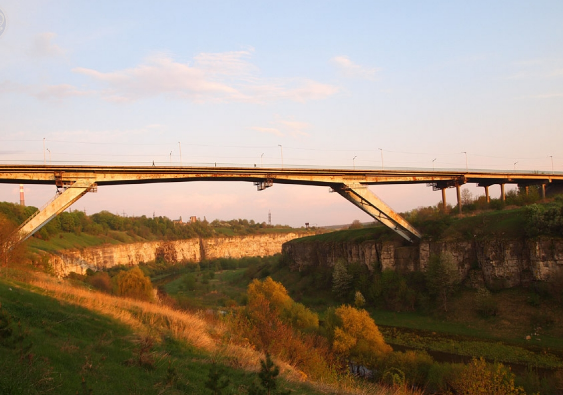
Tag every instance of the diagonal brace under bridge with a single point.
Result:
(366, 200)
(56, 206)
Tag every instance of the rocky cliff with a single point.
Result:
(499, 263)
(190, 250)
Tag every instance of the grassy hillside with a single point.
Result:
(64, 344)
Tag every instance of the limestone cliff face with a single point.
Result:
(503, 263)
(190, 250)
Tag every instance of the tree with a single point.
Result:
(133, 284)
(341, 280)
(479, 378)
(442, 277)
(357, 336)
(11, 251)
(216, 382)
(466, 197)
(268, 375)
(359, 300)
(356, 224)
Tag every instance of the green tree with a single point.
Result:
(341, 280)
(267, 375)
(480, 378)
(216, 382)
(442, 278)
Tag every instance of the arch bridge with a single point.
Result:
(74, 181)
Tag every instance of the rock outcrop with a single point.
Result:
(502, 263)
(190, 250)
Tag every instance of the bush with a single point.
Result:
(485, 303)
(478, 378)
(133, 284)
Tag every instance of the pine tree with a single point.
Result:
(216, 383)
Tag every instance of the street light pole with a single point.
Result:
(44, 161)
(49, 155)
(464, 152)
(281, 150)
(261, 156)
(515, 165)
(354, 162)
(170, 157)
(180, 146)
(381, 158)
(433, 163)
(551, 156)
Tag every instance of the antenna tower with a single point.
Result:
(269, 217)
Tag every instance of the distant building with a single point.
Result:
(178, 221)
(193, 219)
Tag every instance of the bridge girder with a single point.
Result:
(367, 201)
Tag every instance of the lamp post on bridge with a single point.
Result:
(170, 158)
(466, 168)
(381, 158)
(354, 162)
(261, 156)
(49, 155)
(433, 163)
(515, 165)
(281, 150)
(551, 156)
(180, 146)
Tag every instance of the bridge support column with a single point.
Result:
(56, 206)
(487, 196)
(444, 206)
(543, 191)
(367, 201)
(502, 194)
(527, 189)
(458, 193)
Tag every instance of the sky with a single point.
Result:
(347, 84)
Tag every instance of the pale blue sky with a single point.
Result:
(108, 83)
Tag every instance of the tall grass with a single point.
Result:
(201, 330)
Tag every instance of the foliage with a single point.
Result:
(391, 291)
(545, 219)
(442, 277)
(480, 378)
(133, 284)
(357, 337)
(216, 381)
(10, 252)
(485, 303)
(359, 300)
(414, 365)
(267, 375)
(341, 280)
(101, 281)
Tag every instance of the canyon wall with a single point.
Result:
(499, 263)
(190, 250)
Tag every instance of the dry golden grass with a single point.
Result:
(206, 333)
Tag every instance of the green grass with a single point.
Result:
(69, 345)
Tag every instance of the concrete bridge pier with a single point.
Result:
(502, 194)
(543, 191)
(444, 207)
(487, 196)
(458, 193)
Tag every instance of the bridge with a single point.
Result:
(74, 181)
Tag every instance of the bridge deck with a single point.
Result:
(115, 175)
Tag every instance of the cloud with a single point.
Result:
(58, 92)
(223, 77)
(281, 127)
(43, 47)
(352, 70)
(268, 130)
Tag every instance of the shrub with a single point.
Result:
(485, 303)
(100, 281)
(357, 337)
(478, 378)
(133, 284)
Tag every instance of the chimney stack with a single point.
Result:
(22, 199)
